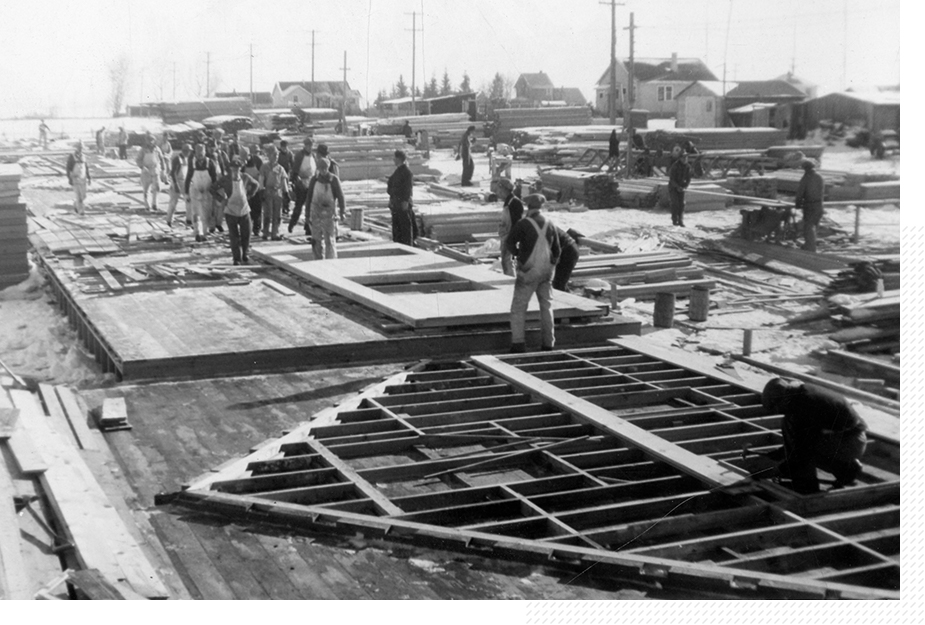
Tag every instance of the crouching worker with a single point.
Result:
(820, 429)
(236, 187)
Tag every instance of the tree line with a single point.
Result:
(500, 88)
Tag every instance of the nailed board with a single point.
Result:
(393, 279)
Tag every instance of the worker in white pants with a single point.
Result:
(323, 191)
(200, 176)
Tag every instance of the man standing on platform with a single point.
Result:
(302, 170)
(178, 166)
(43, 134)
(78, 175)
(679, 177)
(810, 192)
(200, 176)
(401, 188)
(285, 160)
(275, 184)
(535, 244)
(150, 161)
(255, 200)
(123, 143)
(465, 155)
(511, 212)
(323, 198)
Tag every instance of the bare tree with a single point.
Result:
(118, 83)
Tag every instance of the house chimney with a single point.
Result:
(674, 61)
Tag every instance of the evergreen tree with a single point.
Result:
(464, 86)
(401, 89)
(446, 88)
(497, 87)
(431, 89)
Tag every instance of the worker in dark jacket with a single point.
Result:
(401, 188)
(511, 212)
(679, 177)
(301, 171)
(284, 158)
(533, 241)
(568, 242)
(252, 166)
(809, 198)
(465, 155)
(323, 153)
(820, 429)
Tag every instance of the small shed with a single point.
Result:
(701, 105)
(876, 110)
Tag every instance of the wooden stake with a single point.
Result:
(747, 343)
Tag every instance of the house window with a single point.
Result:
(709, 106)
(665, 93)
(295, 99)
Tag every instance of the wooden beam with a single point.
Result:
(705, 469)
(381, 502)
(14, 579)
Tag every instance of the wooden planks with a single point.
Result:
(14, 582)
(90, 522)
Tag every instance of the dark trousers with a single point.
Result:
(837, 453)
(812, 215)
(676, 197)
(239, 233)
(402, 225)
(255, 203)
(123, 152)
(301, 194)
(468, 170)
(564, 267)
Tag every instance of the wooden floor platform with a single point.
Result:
(602, 457)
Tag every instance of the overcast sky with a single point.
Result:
(56, 53)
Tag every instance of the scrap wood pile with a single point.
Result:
(870, 324)
(754, 186)
(707, 139)
(59, 509)
(14, 242)
(841, 185)
(507, 120)
(862, 277)
(595, 190)
(562, 134)
(640, 275)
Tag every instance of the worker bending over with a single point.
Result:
(534, 242)
(323, 191)
(820, 429)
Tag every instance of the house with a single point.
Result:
(701, 105)
(452, 103)
(318, 94)
(875, 110)
(260, 99)
(398, 106)
(534, 87)
(572, 96)
(810, 90)
(763, 91)
(657, 82)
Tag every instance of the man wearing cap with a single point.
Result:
(304, 166)
(323, 192)
(820, 429)
(809, 198)
(533, 241)
(285, 160)
(150, 160)
(465, 155)
(400, 188)
(122, 142)
(275, 184)
(236, 186)
(200, 176)
(252, 168)
(679, 177)
(334, 168)
(179, 163)
(511, 212)
(78, 175)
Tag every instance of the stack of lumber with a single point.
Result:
(789, 179)
(176, 112)
(707, 139)
(700, 196)
(793, 154)
(444, 128)
(863, 275)
(642, 275)
(255, 136)
(880, 190)
(460, 227)
(872, 325)
(509, 119)
(14, 244)
(554, 134)
(753, 186)
(360, 158)
(595, 190)
(641, 192)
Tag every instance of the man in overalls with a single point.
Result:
(275, 184)
(323, 191)
(149, 160)
(200, 176)
(178, 166)
(533, 241)
(78, 174)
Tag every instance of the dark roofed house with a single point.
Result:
(657, 82)
(572, 96)
(767, 91)
(535, 87)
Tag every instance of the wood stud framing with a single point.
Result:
(599, 455)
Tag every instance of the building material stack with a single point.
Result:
(509, 119)
(752, 186)
(177, 112)
(445, 129)
(14, 244)
(360, 158)
(592, 189)
(709, 139)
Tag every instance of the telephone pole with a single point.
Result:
(312, 89)
(343, 114)
(414, 43)
(208, 62)
(628, 116)
(252, 74)
(174, 81)
(613, 60)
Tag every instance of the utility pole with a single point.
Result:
(844, 68)
(613, 60)
(343, 114)
(252, 74)
(414, 43)
(312, 89)
(174, 81)
(628, 116)
(208, 62)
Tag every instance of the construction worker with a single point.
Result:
(511, 212)
(177, 177)
(810, 192)
(820, 429)
(304, 166)
(255, 200)
(465, 154)
(150, 160)
(408, 133)
(322, 151)
(122, 142)
(323, 191)
(274, 182)
(78, 175)
(534, 242)
(568, 242)
(236, 186)
(100, 148)
(43, 134)
(200, 176)
(679, 177)
(284, 158)
(400, 188)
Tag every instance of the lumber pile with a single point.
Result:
(460, 227)
(445, 129)
(862, 277)
(14, 244)
(708, 139)
(509, 119)
(176, 112)
(871, 324)
(753, 186)
(641, 192)
(596, 190)
(701, 196)
(880, 190)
